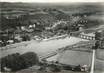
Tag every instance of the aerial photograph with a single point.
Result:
(48, 36)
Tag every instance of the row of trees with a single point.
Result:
(11, 22)
(17, 62)
(5, 38)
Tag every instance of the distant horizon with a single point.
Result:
(51, 1)
(62, 3)
(59, 3)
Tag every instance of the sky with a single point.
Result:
(51, 1)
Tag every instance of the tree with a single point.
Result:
(25, 38)
(13, 61)
(30, 58)
(17, 62)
